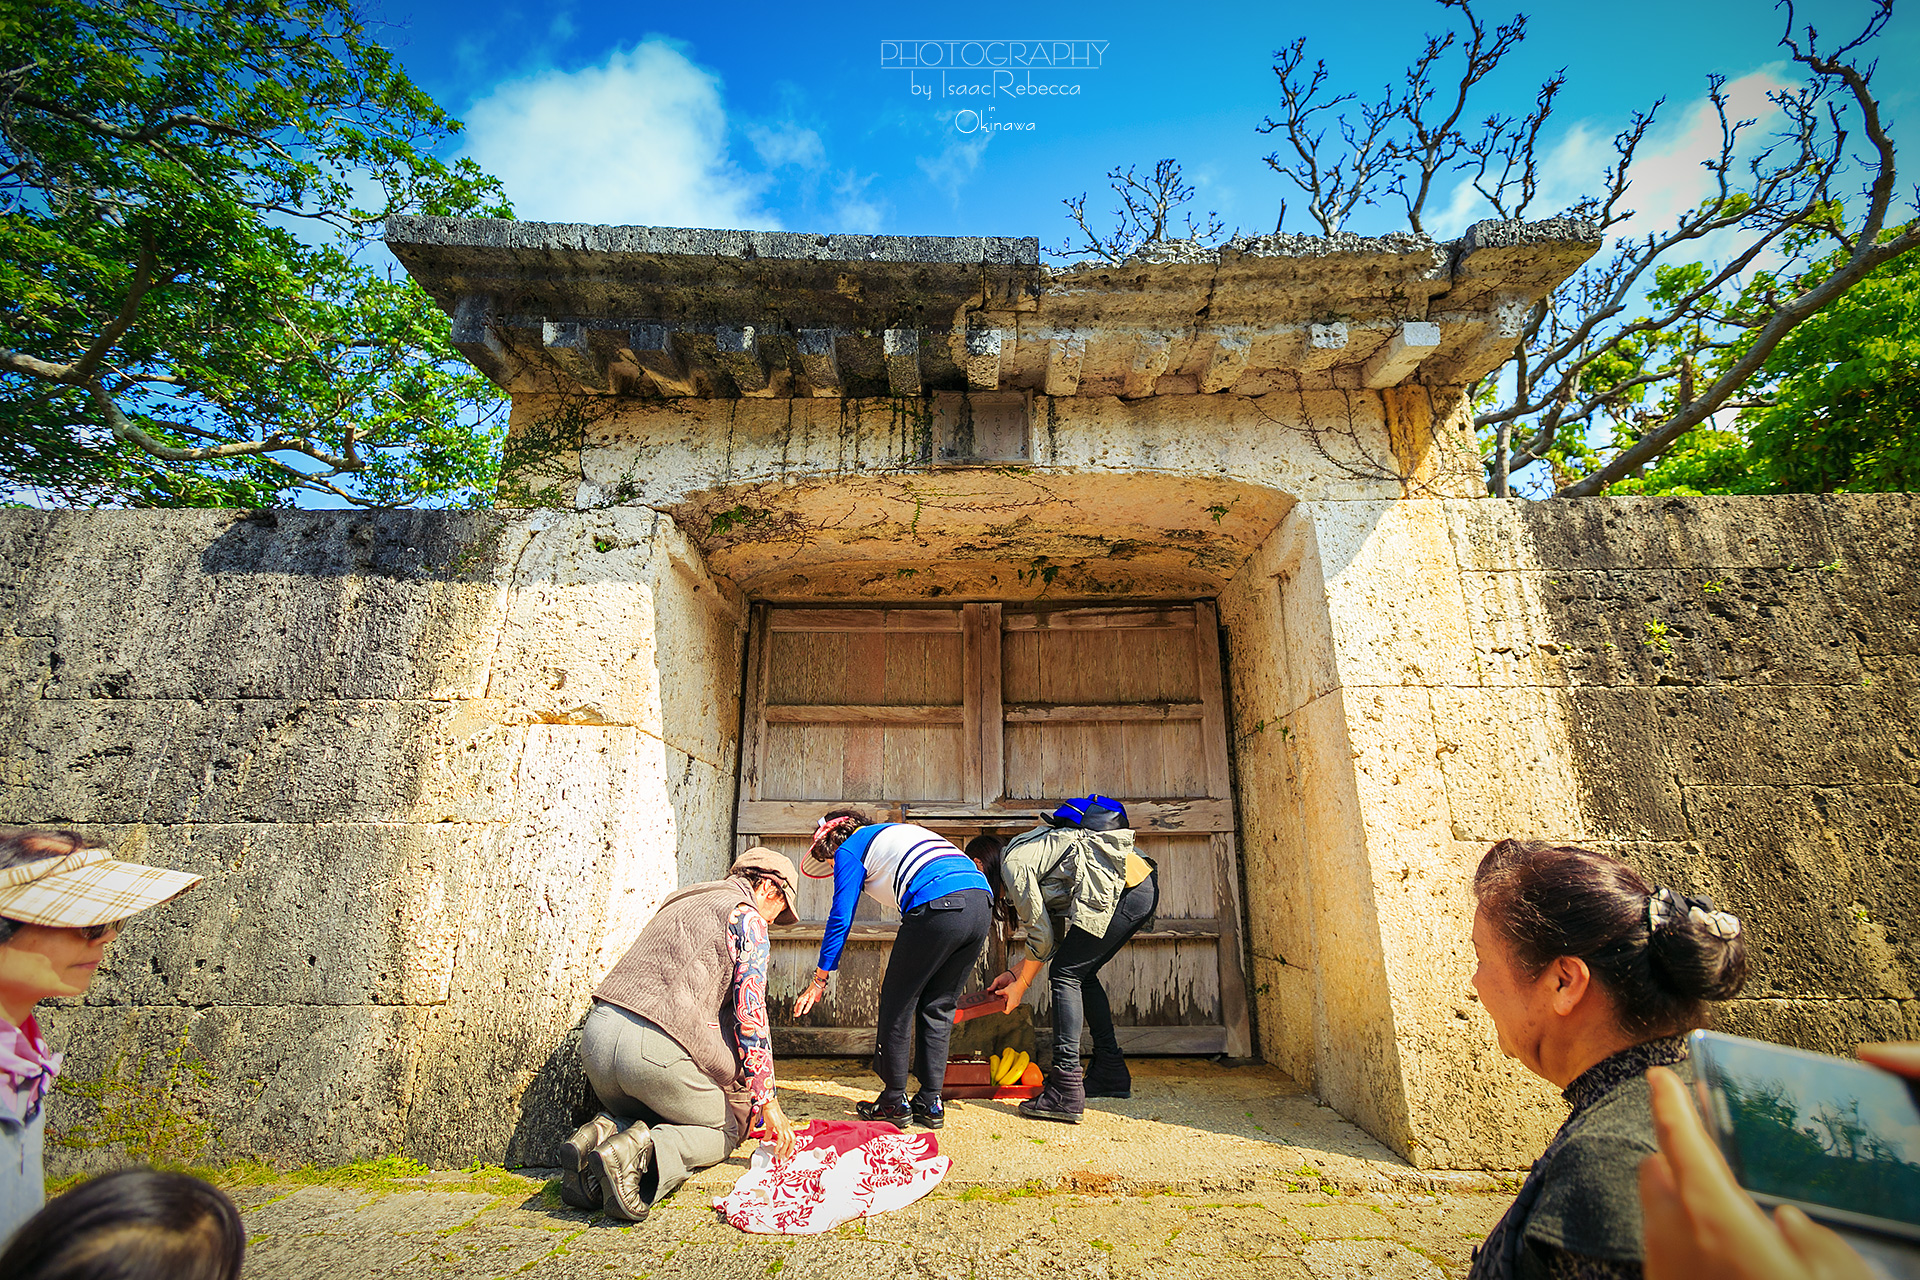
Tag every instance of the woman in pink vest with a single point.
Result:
(677, 1046)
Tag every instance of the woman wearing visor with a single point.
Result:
(61, 903)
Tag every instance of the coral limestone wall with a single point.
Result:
(436, 767)
(1721, 691)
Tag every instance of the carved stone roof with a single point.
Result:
(658, 311)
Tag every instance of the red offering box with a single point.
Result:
(978, 1005)
(973, 1078)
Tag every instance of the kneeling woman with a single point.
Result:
(945, 912)
(1591, 976)
(677, 1046)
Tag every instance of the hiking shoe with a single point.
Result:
(578, 1185)
(1063, 1099)
(620, 1163)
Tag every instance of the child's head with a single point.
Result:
(137, 1224)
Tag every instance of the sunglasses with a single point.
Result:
(95, 932)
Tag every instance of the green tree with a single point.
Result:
(1836, 406)
(185, 315)
(1845, 409)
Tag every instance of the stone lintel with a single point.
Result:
(1177, 318)
(1411, 343)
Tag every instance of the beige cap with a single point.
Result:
(761, 858)
(86, 887)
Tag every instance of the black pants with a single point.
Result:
(1078, 998)
(933, 953)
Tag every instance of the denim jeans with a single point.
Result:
(1078, 998)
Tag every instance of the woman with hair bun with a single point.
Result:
(1591, 976)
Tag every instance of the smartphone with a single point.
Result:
(1838, 1139)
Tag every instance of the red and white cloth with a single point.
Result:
(840, 1170)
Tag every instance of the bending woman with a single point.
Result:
(1591, 976)
(1083, 892)
(945, 912)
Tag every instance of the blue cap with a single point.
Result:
(1090, 813)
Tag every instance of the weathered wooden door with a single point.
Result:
(978, 718)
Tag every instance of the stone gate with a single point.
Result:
(439, 767)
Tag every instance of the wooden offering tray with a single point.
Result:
(972, 1078)
(978, 1005)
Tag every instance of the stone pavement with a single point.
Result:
(1209, 1169)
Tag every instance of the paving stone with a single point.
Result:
(1367, 1260)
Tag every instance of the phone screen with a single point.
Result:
(1811, 1128)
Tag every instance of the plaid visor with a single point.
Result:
(86, 887)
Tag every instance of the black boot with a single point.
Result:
(1108, 1076)
(1064, 1098)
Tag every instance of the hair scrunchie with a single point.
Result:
(1665, 907)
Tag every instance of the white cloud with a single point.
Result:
(1667, 173)
(787, 143)
(639, 140)
(959, 157)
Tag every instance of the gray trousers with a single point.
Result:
(639, 1072)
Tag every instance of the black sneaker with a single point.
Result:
(929, 1115)
(878, 1110)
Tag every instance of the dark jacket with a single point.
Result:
(1582, 1196)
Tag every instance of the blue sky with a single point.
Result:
(757, 115)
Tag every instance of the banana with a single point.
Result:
(1011, 1068)
(994, 1064)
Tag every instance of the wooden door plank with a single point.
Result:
(1185, 1042)
(863, 713)
(973, 661)
(754, 752)
(1206, 655)
(1101, 713)
(867, 620)
(800, 817)
(1177, 616)
(1233, 981)
(991, 718)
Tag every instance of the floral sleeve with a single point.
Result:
(748, 933)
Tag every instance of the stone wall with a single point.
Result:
(438, 767)
(1720, 691)
(435, 767)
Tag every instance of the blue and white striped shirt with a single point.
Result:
(899, 864)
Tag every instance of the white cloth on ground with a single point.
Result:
(839, 1171)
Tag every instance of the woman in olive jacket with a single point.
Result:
(1082, 892)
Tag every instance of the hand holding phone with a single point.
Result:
(1837, 1139)
(1700, 1223)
